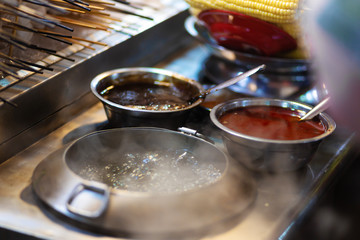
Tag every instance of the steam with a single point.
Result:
(173, 170)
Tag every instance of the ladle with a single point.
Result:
(320, 107)
(227, 83)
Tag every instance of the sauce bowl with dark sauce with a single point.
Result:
(144, 96)
(266, 134)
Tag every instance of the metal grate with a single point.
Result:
(122, 22)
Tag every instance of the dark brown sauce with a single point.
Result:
(271, 122)
(147, 96)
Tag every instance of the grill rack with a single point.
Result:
(39, 103)
(132, 23)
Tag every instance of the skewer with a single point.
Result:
(77, 5)
(80, 23)
(47, 22)
(128, 12)
(113, 19)
(53, 33)
(123, 2)
(49, 51)
(96, 21)
(33, 46)
(8, 71)
(23, 67)
(3, 55)
(12, 59)
(101, 2)
(73, 37)
(8, 10)
(59, 25)
(12, 37)
(60, 56)
(34, 31)
(13, 40)
(11, 48)
(127, 3)
(94, 7)
(82, 44)
(79, 1)
(96, 12)
(46, 4)
(89, 41)
(47, 19)
(31, 12)
(57, 39)
(106, 16)
(24, 64)
(72, 10)
(72, 2)
(42, 34)
(13, 43)
(35, 65)
(123, 32)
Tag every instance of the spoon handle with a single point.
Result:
(322, 106)
(235, 79)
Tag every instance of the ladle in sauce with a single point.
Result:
(319, 108)
(227, 83)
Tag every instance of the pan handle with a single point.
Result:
(195, 133)
(89, 200)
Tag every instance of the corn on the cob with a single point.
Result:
(294, 29)
(275, 11)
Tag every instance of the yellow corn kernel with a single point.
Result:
(294, 29)
(299, 53)
(275, 11)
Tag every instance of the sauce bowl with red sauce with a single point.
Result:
(266, 134)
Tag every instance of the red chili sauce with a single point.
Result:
(271, 122)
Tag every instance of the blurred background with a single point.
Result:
(50, 50)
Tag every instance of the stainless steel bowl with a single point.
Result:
(273, 65)
(123, 116)
(282, 78)
(267, 154)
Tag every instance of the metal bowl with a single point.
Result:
(267, 154)
(86, 182)
(124, 116)
(274, 65)
(282, 78)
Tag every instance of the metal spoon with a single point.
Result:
(227, 83)
(320, 107)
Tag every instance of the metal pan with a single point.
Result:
(74, 182)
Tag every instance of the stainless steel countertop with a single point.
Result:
(281, 197)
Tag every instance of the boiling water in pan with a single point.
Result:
(153, 171)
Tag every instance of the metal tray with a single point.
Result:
(45, 101)
(281, 198)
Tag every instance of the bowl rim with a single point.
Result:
(97, 79)
(270, 102)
